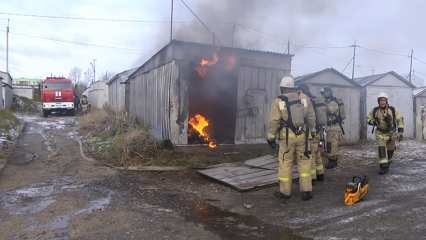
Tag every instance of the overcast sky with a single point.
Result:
(320, 33)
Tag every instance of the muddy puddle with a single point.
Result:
(230, 225)
(225, 224)
(32, 201)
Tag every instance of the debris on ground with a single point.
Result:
(119, 140)
(25, 105)
(10, 128)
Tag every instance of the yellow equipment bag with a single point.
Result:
(356, 190)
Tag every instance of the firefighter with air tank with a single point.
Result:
(317, 142)
(388, 125)
(334, 129)
(292, 121)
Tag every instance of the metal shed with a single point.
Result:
(232, 87)
(420, 113)
(344, 88)
(97, 94)
(117, 90)
(400, 92)
(6, 89)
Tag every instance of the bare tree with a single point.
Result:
(75, 75)
(107, 76)
(87, 77)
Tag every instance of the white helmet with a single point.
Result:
(287, 82)
(382, 95)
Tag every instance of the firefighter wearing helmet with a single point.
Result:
(317, 142)
(292, 118)
(388, 124)
(334, 129)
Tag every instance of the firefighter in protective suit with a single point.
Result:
(334, 129)
(389, 126)
(320, 109)
(292, 117)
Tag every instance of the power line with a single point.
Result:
(76, 42)
(419, 60)
(419, 73)
(199, 20)
(347, 65)
(88, 18)
(324, 47)
(383, 52)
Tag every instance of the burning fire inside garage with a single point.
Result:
(193, 93)
(213, 100)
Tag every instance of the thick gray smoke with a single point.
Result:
(255, 24)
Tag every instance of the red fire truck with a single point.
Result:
(57, 95)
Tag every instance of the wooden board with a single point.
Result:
(266, 162)
(249, 175)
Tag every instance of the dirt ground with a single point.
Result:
(48, 191)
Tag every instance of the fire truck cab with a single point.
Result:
(57, 95)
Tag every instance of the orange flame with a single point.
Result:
(210, 62)
(202, 67)
(199, 123)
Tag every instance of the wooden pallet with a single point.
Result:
(248, 175)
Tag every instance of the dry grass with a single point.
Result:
(124, 142)
(7, 120)
(117, 139)
(93, 120)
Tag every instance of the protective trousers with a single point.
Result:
(333, 137)
(316, 157)
(294, 151)
(386, 145)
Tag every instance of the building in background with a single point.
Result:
(232, 88)
(117, 90)
(97, 94)
(420, 113)
(400, 92)
(6, 90)
(27, 87)
(344, 88)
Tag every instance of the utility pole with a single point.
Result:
(353, 59)
(234, 26)
(171, 21)
(93, 64)
(288, 47)
(7, 46)
(411, 66)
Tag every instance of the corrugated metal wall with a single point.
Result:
(150, 94)
(420, 125)
(97, 94)
(257, 87)
(1, 96)
(7, 91)
(8, 96)
(116, 95)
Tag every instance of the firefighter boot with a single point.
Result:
(320, 177)
(306, 196)
(390, 155)
(332, 163)
(384, 168)
(282, 196)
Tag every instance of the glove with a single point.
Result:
(272, 143)
(400, 134)
(372, 122)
